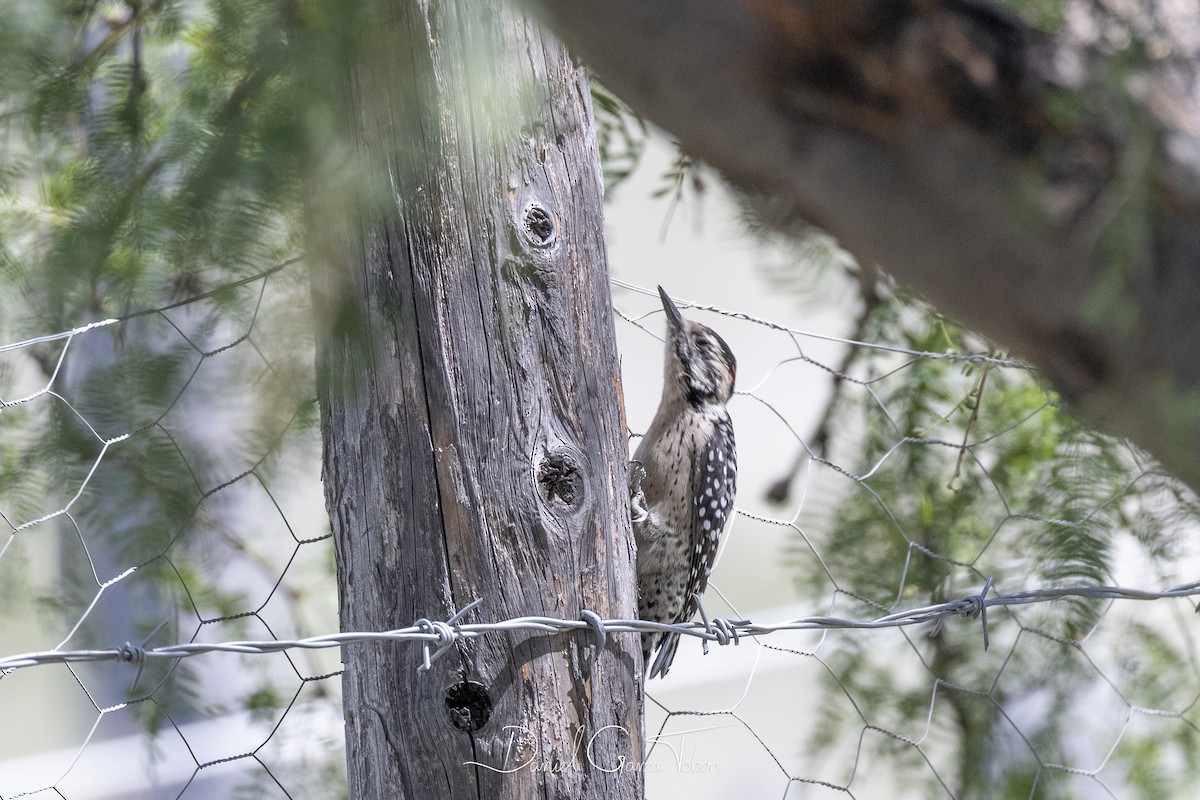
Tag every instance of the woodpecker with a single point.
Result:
(688, 468)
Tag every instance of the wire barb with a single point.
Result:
(597, 625)
(976, 608)
(134, 654)
(446, 633)
(722, 631)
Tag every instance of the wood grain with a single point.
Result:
(474, 445)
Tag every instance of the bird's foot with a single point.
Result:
(637, 498)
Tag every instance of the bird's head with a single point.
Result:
(700, 365)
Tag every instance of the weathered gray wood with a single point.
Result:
(474, 441)
(1026, 185)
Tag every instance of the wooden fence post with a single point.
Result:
(474, 438)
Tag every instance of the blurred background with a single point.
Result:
(159, 474)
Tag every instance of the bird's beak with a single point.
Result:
(674, 318)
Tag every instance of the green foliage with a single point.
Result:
(156, 149)
(264, 703)
(155, 154)
(1046, 15)
(620, 137)
(975, 471)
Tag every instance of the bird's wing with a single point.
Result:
(714, 473)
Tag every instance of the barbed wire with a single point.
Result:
(771, 640)
(162, 389)
(969, 358)
(445, 634)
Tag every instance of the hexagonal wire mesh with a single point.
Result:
(157, 487)
(159, 490)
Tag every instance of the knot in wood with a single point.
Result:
(538, 224)
(468, 705)
(559, 477)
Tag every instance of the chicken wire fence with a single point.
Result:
(960, 557)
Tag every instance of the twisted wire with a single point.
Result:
(441, 636)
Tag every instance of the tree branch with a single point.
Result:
(1042, 193)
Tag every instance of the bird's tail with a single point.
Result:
(666, 644)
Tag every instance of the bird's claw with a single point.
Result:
(637, 498)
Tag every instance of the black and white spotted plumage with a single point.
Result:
(690, 462)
